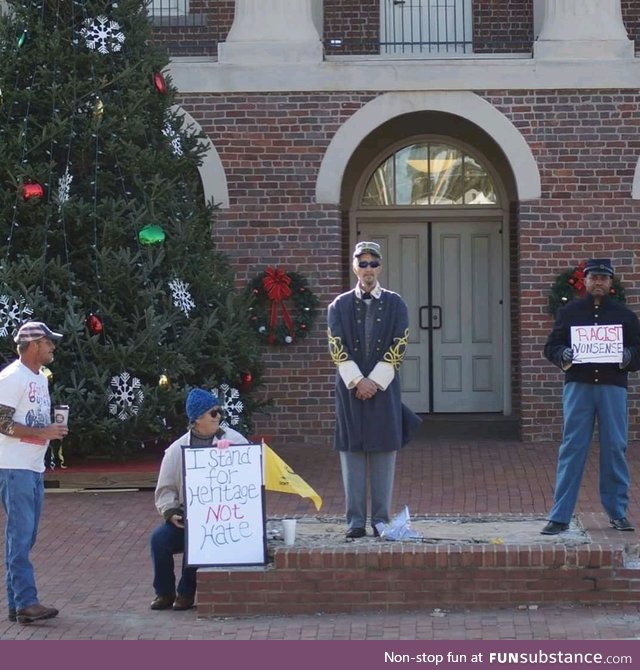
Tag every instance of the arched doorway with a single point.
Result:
(437, 208)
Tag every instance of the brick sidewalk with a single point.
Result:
(92, 558)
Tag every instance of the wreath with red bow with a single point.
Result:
(283, 308)
(570, 285)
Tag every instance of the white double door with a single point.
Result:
(450, 275)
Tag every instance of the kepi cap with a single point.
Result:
(372, 248)
(34, 330)
(599, 266)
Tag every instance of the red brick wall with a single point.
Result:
(631, 18)
(355, 22)
(198, 34)
(502, 26)
(271, 146)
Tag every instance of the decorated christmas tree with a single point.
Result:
(104, 230)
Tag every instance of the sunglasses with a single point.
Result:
(368, 264)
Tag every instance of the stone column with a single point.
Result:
(583, 29)
(272, 31)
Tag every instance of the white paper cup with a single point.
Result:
(61, 415)
(289, 531)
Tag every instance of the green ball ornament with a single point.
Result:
(151, 234)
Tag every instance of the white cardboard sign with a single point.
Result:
(597, 344)
(224, 506)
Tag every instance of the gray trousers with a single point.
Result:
(381, 466)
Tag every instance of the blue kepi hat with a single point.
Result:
(200, 401)
(599, 266)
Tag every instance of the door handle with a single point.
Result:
(433, 317)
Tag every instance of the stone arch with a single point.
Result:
(463, 104)
(214, 180)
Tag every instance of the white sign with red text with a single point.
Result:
(597, 344)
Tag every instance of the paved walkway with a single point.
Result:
(92, 553)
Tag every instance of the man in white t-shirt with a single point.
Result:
(25, 431)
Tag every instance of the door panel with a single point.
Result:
(454, 358)
(467, 284)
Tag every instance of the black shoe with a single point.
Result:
(354, 533)
(162, 602)
(554, 527)
(12, 615)
(621, 524)
(375, 532)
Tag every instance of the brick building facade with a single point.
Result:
(546, 103)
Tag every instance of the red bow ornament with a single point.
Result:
(276, 285)
(577, 280)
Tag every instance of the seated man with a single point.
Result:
(204, 414)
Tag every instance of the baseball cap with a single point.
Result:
(372, 248)
(34, 330)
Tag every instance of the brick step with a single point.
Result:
(385, 577)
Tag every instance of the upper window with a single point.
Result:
(430, 174)
(426, 26)
(167, 9)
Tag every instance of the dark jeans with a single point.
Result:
(167, 540)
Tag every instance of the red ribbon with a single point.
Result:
(276, 285)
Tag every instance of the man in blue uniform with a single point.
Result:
(593, 391)
(368, 334)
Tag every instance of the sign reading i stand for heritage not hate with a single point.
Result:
(597, 343)
(224, 506)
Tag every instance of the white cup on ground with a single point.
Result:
(289, 531)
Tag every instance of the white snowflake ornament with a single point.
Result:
(12, 314)
(102, 34)
(181, 295)
(64, 187)
(174, 138)
(126, 396)
(230, 403)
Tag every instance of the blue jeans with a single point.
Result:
(22, 493)
(381, 466)
(582, 405)
(167, 540)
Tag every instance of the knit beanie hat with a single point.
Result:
(200, 401)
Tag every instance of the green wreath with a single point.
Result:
(283, 307)
(570, 284)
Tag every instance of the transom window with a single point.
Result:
(430, 173)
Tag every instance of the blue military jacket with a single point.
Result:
(584, 312)
(381, 423)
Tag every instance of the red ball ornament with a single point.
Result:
(159, 83)
(94, 325)
(246, 382)
(32, 190)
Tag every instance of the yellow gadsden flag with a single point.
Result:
(278, 476)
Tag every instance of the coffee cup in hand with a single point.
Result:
(61, 415)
